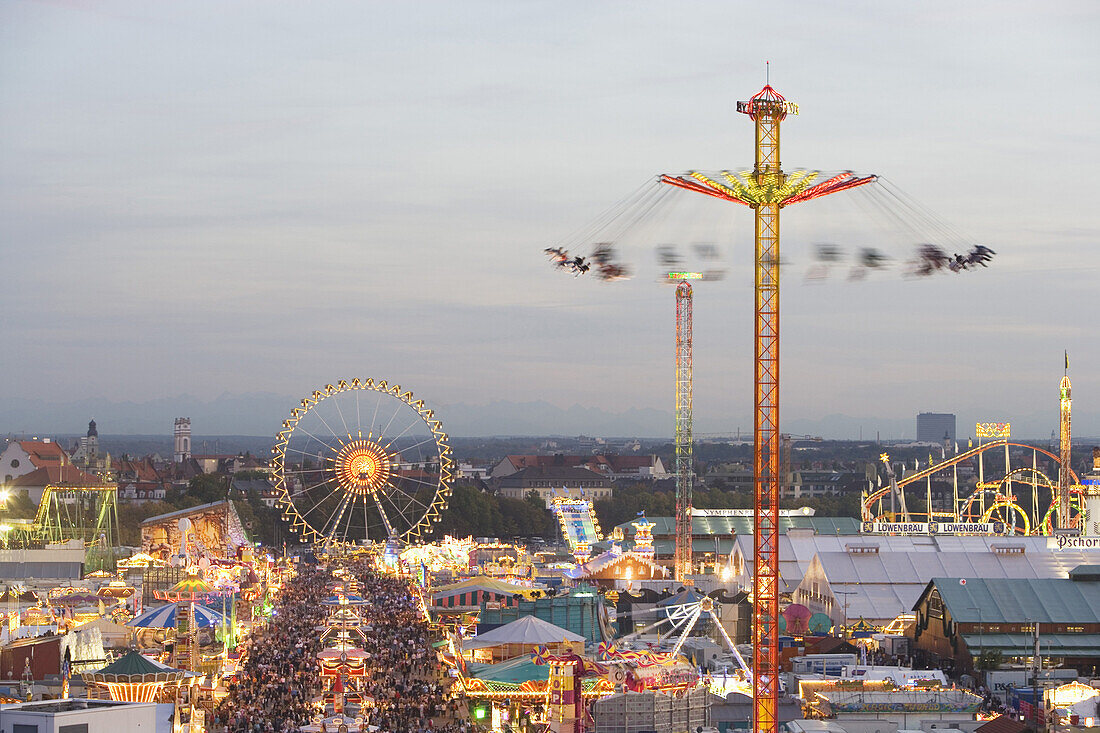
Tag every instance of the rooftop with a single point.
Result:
(1016, 600)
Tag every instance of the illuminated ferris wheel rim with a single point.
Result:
(362, 465)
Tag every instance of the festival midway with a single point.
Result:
(347, 562)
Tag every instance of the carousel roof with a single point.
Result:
(116, 589)
(133, 663)
(471, 585)
(353, 653)
(525, 630)
(192, 584)
(75, 599)
(164, 617)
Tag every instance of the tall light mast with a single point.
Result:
(684, 468)
(1067, 450)
(766, 190)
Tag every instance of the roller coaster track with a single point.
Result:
(936, 468)
(67, 512)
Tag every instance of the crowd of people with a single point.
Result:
(403, 682)
(402, 691)
(279, 677)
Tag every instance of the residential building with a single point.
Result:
(50, 466)
(613, 467)
(812, 484)
(555, 481)
(21, 457)
(262, 488)
(139, 480)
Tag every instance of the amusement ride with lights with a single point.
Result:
(1022, 500)
(362, 461)
(766, 190)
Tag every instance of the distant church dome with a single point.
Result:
(91, 430)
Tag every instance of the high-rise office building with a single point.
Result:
(935, 427)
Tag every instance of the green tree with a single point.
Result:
(204, 489)
(131, 515)
(470, 511)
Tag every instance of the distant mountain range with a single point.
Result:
(261, 414)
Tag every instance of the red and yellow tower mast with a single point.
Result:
(766, 190)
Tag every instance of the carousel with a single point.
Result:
(135, 678)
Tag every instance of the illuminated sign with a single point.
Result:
(745, 108)
(894, 528)
(1069, 542)
(685, 276)
(992, 528)
(800, 512)
(993, 430)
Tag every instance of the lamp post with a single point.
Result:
(844, 593)
(981, 630)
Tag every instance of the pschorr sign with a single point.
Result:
(1069, 542)
(995, 528)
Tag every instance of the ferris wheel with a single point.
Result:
(362, 461)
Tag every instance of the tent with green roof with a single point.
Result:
(134, 677)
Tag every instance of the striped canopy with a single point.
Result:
(164, 617)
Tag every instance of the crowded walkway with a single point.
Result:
(403, 690)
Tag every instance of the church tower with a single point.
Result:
(182, 439)
(91, 451)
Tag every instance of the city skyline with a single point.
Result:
(249, 199)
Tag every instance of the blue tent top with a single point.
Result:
(164, 617)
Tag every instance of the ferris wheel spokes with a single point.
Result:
(382, 513)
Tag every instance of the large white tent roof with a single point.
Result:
(882, 584)
(526, 630)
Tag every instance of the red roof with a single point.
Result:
(1001, 724)
(56, 475)
(141, 469)
(42, 453)
(624, 462)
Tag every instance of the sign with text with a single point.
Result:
(800, 512)
(989, 528)
(993, 430)
(1071, 542)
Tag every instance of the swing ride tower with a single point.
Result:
(684, 467)
(766, 190)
